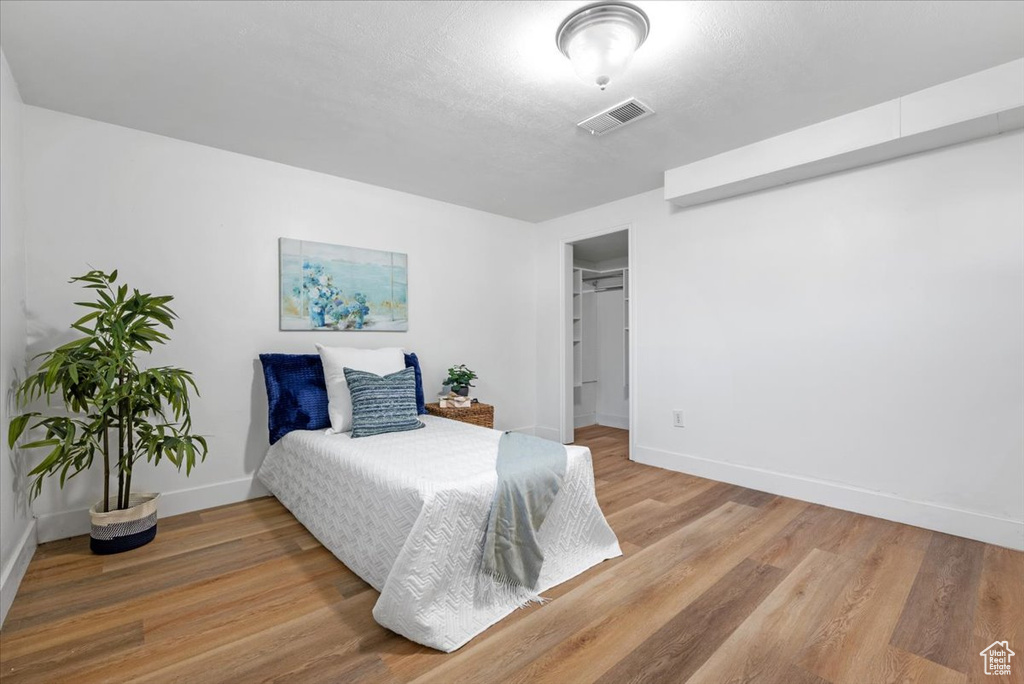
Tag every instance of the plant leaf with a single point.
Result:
(16, 427)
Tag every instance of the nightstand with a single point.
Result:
(474, 414)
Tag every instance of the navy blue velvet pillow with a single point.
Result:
(297, 392)
(412, 362)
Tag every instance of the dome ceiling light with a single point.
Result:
(600, 39)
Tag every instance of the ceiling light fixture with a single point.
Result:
(600, 39)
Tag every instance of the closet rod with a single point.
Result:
(604, 275)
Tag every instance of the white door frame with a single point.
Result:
(566, 425)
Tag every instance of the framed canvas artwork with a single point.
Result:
(335, 287)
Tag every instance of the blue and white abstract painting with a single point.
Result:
(334, 287)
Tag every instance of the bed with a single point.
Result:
(407, 512)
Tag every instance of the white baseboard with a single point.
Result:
(554, 434)
(543, 432)
(529, 430)
(584, 420)
(14, 569)
(66, 524)
(607, 420)
(932, 516)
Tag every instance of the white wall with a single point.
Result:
(17, 532)
(612, 402)
(202, 224)
(856, 339)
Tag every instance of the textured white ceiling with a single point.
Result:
(471, 102)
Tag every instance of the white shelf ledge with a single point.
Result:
(986, 103)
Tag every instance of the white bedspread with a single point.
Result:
(407, 512)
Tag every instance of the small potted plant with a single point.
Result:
(112, 408)
(460, 380)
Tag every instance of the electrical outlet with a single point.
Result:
(677, 418)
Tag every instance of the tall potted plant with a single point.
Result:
(112, 407)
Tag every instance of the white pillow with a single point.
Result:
(336, 359)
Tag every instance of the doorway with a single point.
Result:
(597, 314)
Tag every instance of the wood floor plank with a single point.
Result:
(861, 621)
(763, 647)
(414, 661)
(999, 615)
(797, 675)
(639, 514)
(72, 653)
(692, 489)
(503, 653)
(205, 534)
(65, 567)
(612, 469)
(255, 509)
(804, 533)
(335, 667)
(60, 547)
(121, 585)
(646, 532)
(301, 569)
(752, 497)
(856, 535)
(827, 529)
(896, 666)
(280, 647)
(210, 614)
(937, 622)
(182, 521)
(681, 646)
(621, 495)
(621, 608)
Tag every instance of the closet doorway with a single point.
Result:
(597, 315)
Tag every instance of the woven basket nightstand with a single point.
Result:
(475, 414)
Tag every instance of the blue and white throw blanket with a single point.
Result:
(530, 473)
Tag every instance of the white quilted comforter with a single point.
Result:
(407, 512)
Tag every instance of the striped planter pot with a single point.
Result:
(117, 531)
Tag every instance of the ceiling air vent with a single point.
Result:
(618, 116)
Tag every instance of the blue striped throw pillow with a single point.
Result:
(382, 404)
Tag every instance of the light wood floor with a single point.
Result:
(717, 584)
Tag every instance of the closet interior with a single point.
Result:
(600, 331)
